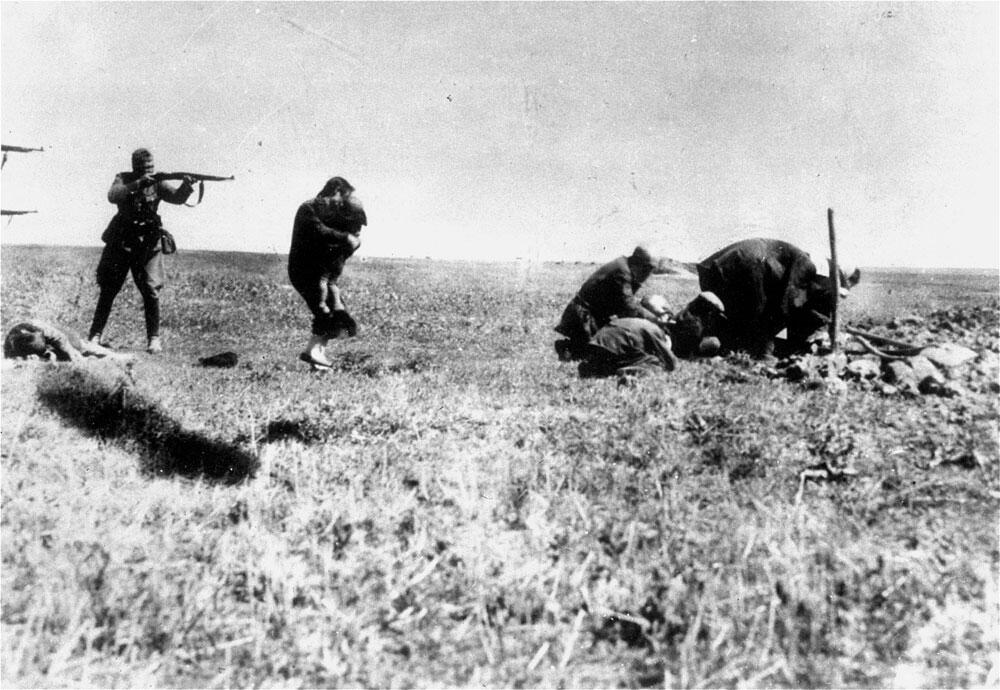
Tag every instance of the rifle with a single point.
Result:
(198, 177)
(18, 149)
(7, 148)
(5, 212)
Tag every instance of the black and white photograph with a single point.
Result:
(489, 344)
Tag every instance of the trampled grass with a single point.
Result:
(454, 507)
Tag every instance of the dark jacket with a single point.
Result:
(629, 342)
(144, 203)
(610, 291)
(633, 337)
(137, 222)
(320, 243)
(766, 285)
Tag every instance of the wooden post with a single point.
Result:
(835, 282)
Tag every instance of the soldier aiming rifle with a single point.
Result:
(135, 240)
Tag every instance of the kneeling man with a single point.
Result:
(608, 292)
(624, 346)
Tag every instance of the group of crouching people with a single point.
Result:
(610, 331)
(751, 291)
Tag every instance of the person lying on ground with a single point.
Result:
(42, 340)
(609, 292)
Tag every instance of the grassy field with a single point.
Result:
(454, 507)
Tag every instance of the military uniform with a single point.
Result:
(133, 243)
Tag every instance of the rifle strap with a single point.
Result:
(201, 194)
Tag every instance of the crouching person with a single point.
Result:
(608, 292)
(694, 331)
(628, 346)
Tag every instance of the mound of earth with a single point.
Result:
(952, 352)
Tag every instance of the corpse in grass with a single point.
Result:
(33, 339)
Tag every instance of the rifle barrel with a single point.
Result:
(5, 212)
(196, 176)
(19, 149)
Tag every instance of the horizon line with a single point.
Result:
(4, 243)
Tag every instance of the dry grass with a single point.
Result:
(455, 508)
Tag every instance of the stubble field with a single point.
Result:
(454, 507)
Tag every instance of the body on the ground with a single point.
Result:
(34, 338)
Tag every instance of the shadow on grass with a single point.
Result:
(102, 402)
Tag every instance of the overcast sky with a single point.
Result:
(534, 130)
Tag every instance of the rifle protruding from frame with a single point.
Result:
(7, 148)
(19, 149)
